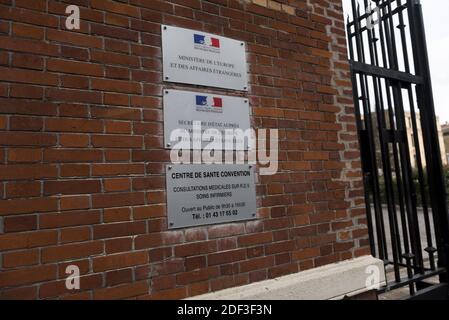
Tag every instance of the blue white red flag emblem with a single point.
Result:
(206, 40)
(211, 102)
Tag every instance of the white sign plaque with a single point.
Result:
(203, 195)
(211, 111)
(199, 58)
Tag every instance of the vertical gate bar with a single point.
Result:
(430, 249)
(428, 119)
(370, 129)
(404, 149)
(377, 63)
(385, 160)
(383, 253)
(359, 128)
(409, 186)
(386, 59)
(400, 124)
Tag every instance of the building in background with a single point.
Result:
(412, 144)
(443, 137)
(445, 131)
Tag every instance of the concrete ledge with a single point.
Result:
(333, 281)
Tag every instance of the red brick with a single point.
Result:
(28, 61)
(24, 293)
(20, 223)
(194, 249)
(74, 170)
(74, 38)
(27, 139)
(27, 107)
(117, 200)
(24, 155)
(116, 86)
(122, 291)
(73, 95)
(75, 67)
(117, 277)
(255, 239)
(20, 258)
(73, 125)
(27, 76)
(68, 219)
(119, 261)
(28, 240)
(74, 140)
(112, 141)
(119, 127)
(115, 230)
(28, 45)
(118, 245)
(66, 156)
(27, 31)
(18, 206)
(117, 169)
(71, 187)
(157, 239)
(25, 91)
(71, 251)
(226, 257)
(26, 123)
(23, 189)
(197, 275)
(79, 234)
(27, 276)
(147, 212)
(74, 203)
(116, 8)
(116, 215)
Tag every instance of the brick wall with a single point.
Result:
(82, 161)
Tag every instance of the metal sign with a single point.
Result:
(209, 194)
(222, 113)
(200, 58)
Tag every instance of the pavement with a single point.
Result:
(404, 292)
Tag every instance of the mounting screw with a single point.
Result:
(171, 224)
(165, 27)
(244, 88)
(170, 168)
(246, 101)
(242, 43)
(166, 91)
(254, 214)
(168, 144)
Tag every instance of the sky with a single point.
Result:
(435, 20)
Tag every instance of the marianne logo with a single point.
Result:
(209, 104)
(206, 43)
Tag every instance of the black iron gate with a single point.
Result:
(403, 174)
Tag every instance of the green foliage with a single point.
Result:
(416, 183)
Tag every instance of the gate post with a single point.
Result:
(435, 170)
